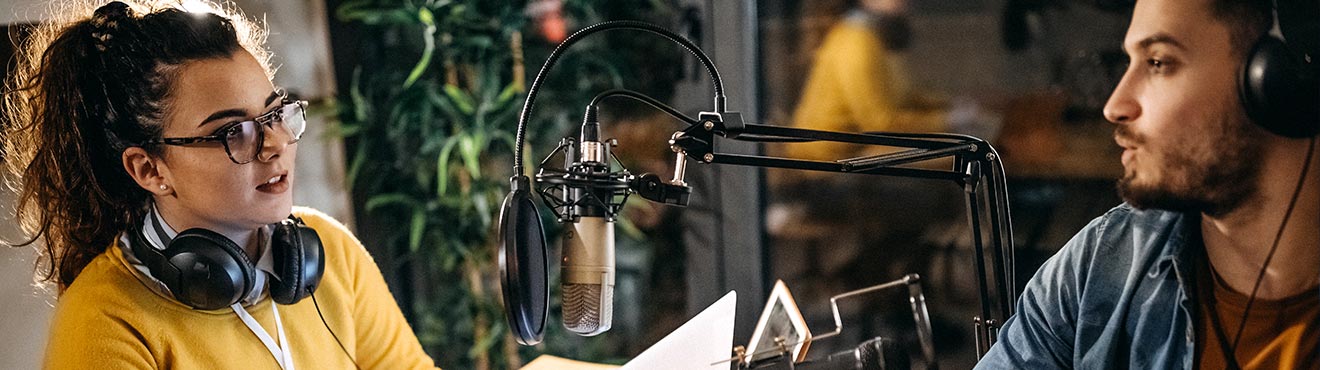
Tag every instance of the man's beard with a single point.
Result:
(1214, 176)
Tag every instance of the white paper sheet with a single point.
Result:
(704, 339)
(548, 362)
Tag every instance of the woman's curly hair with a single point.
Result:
(88, 84)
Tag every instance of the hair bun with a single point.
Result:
(106, 20)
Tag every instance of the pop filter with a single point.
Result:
(523, 264)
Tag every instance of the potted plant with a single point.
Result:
(428, 121)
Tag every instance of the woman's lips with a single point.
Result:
(276, 185)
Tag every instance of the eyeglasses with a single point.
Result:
(244, 140)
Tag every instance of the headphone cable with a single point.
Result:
(1306, 166)
(332, 332)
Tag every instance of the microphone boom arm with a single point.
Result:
(976, 164)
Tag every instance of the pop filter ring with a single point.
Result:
(523, 264)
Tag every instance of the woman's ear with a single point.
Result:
(147, 171)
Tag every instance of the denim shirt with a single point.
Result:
(1117, 296)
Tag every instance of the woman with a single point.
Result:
(154, 160)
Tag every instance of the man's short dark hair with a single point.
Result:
(1247, 20)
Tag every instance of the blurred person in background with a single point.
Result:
(858, 82)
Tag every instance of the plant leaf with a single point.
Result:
(442, 166)
(377, 201)
(425, 16)
(417, 229)
(482, 204)
(359, 160)
(506, 96)
(504, 137)
(355, 94)
(470, 150)
(449, 261)
(489, 341)
(445, 106)
(363, 11)
(345, 129)
(461, 99)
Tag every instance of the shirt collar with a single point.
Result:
(1185, 251)
(1182, 246)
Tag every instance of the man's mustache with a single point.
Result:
(1124, 134)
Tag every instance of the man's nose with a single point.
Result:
(1122, 106)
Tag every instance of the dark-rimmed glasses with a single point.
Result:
(244, 140)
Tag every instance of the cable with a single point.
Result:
(528, 104)
(332, 332)
(1306, 166)
(591, 108)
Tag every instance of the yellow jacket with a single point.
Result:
(854, 86)
(109, 319)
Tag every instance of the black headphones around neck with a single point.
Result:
(207, 271)
(1278, 84)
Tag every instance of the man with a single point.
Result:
(1214, 261)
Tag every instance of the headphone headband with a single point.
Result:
(153, 258)
(1298, 23)
(1278, 84)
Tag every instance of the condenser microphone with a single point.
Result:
(587, 271)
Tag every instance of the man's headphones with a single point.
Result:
(207, 271)
(1278, 84)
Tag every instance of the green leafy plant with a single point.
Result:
(429, 122)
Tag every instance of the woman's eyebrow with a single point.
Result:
(236, 112)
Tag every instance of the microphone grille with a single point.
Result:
(588, 308)
(871, 355)
(881, 353)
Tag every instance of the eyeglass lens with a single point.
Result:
(245, 140)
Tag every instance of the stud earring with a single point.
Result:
(164, 187)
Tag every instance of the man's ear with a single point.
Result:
(147, 171)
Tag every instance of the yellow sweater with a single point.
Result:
(855, 87)
(109, 319)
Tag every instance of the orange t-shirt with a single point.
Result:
(1280, 334)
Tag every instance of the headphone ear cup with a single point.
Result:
(1278, 93)
(299, 261)
(213, 272)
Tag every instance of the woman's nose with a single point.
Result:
(276, 141)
